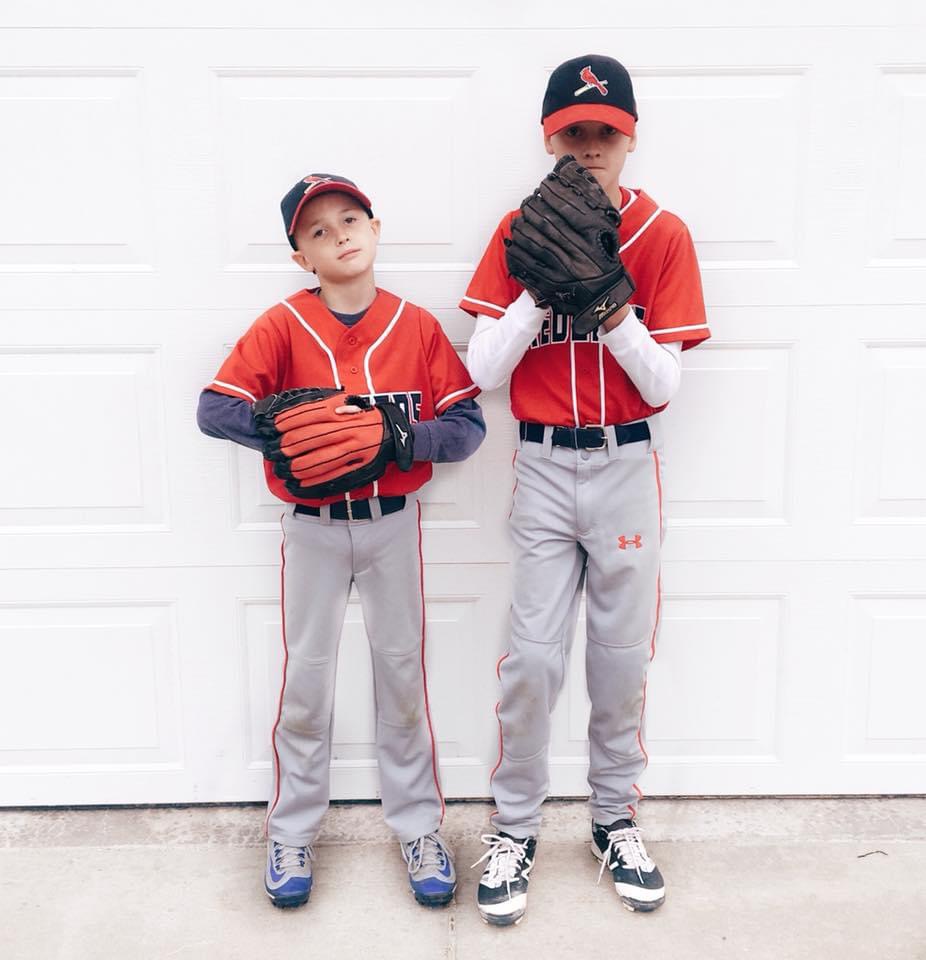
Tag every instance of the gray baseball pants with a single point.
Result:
(592, 516)
(321, 559)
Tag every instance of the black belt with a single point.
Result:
(587, 438)
(354, 509)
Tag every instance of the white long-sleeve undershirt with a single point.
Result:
(497, 345)
(655, 369)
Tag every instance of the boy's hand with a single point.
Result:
(564, 248)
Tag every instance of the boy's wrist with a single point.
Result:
(421, 435)
(526, 314)
(617, 319)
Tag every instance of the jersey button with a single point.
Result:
(352, 341)
(353, 369)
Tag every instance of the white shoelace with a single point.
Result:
(628, 842)
(504, 856)
(290, 858)
(426, 851)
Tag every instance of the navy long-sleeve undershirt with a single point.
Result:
(453, 436)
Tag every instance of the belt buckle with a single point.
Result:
(590, 441)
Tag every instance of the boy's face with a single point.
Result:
(597, 146)
(336, 239)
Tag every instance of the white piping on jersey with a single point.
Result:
(231, 386)
(382, 336)
(694, 326)
(640, 231)
(629, 203)
(376, 488)
(601, 378)
(450, 396)
(572, 365)
(334, 367)
(485, 303)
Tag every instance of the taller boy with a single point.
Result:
(588, 495)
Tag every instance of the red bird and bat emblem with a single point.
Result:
(591, 82)
(313, 182)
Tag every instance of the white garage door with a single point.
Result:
(139, 180)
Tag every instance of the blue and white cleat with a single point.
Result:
(430, 870)
(288, 880)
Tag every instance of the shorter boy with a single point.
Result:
(347, 333)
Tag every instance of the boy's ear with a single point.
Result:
(299, 258)
(633, 142)
(548, 144)
(376, 225)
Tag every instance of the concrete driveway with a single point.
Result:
(778, 879)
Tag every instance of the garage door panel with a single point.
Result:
(897, 194)
(372, 107)
(891, 450)
(76, 472)
(696, 710)
(693, 712)
(60, 717)
(886, 656)
(83, 213)
(755, 225)
(735, 463)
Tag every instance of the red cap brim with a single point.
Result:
(602, 113)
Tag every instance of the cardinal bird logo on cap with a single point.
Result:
(313, 182)
(591, 82)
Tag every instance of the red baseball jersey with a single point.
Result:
(396, 352)
(566, 380)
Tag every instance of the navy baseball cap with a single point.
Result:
(312, 186)
(589, 88)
